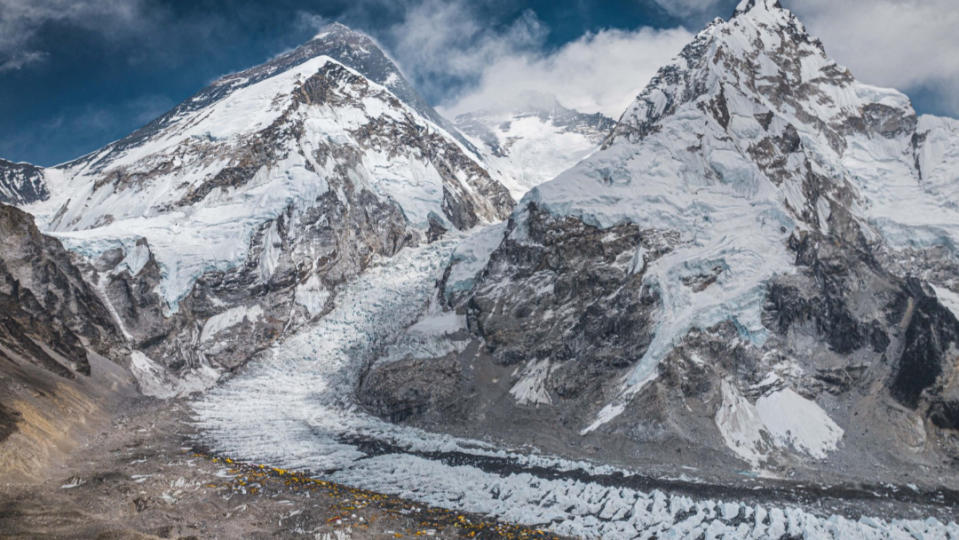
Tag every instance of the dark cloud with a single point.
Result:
(22, 20)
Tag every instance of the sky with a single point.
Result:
(77, 74)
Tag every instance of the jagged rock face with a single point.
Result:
(797, 309)
(872, 327)
(926, 367)
(530, 146)
(399, 390)
(290, 277)
(548, 296)
(232, 219)
(53, 326)
(50, 315)
(21, 183)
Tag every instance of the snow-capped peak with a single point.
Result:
(750, 54)
(746, 6)
(201, 180)
(361, 52)
(533, 139)
(334, 28)
(748, 145)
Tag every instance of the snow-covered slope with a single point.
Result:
(745, 269)
(302, 388)
(21, 183)
(260, 194)
(528, 147)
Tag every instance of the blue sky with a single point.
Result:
(76, 74)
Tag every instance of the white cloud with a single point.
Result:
(911, 45)
(600, 72)
(445, 45)
(449, 51)
(18, 58)
(21, 19)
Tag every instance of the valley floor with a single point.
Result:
(141, 478)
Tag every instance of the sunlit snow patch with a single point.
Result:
(797, 422)
(530, 389)
(781, 420)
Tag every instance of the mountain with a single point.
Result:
(756, 271)
(21, 183)
(526, 147)
(232, 219)
(735, 313)
(60, 349)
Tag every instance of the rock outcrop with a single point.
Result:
(758, 265)
(21, 183)
(62, 355)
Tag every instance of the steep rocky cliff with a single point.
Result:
(62, 356)
(757, 269)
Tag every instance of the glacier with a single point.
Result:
(293, 408)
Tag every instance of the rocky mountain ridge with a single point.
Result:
(755, 267)
(231, 220)
(61, 352)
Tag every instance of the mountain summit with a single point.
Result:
(240, 211)
(759, 264)
(534, 140)
(746, 6)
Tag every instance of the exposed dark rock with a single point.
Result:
(21, 183)
(8, 419)
(842, 379)
(398, 390)
(945, 414)
(931, 334)
(436, 230)
(567, 294)
(49, 313)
